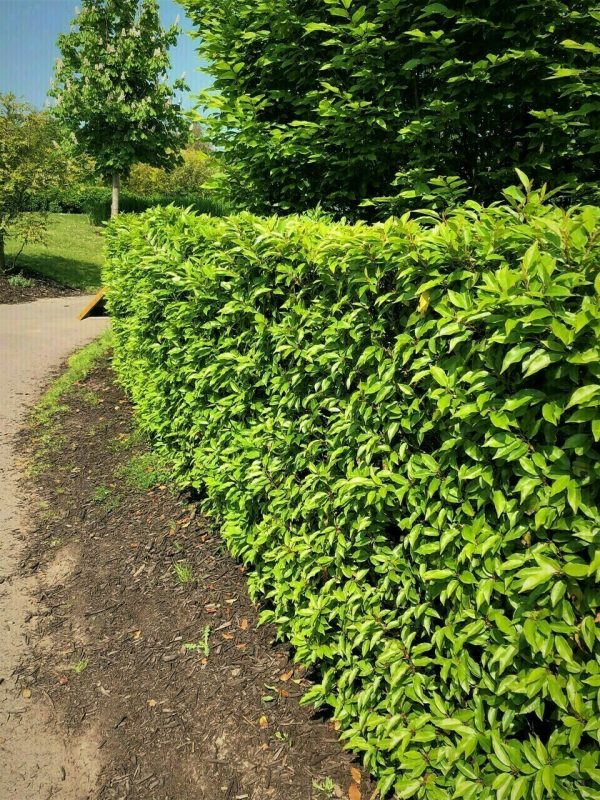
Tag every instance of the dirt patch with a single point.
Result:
(26, 288)
(150, 642)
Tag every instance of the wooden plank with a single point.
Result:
(95, 306)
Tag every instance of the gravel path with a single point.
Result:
(38, 761)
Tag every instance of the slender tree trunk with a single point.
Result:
(116, 187)
(2, 255)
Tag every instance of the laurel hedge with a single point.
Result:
(397, 428)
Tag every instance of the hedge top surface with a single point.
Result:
(397, 427)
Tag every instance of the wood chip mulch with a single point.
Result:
(40, 288)
(183, 695)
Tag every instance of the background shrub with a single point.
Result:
(96, 203)
(397, 427)
(187, 178)
(342, 101)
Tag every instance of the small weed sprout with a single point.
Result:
(202, 646)
(326, 788)
(20, 281)
(184, 573)
(80, 666)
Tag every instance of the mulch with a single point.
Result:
(42, 287)
(172, 722)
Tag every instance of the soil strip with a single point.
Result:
(12, 289)
(149, 643)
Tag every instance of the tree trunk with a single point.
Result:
(116, 186)
(2, 255)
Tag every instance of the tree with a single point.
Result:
(342, 101)
(111, 88)
(31, 162)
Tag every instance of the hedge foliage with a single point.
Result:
(95, 201)
(397, 427)
(342, 101)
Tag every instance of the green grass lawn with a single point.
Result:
(72, 255)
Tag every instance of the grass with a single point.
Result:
(72, 255)
(79, 366)
(106, 497)
(184, 573)
(144, 471)
(44, 414)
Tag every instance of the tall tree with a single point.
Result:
(31, 162)
(341, 101)
(112, 91)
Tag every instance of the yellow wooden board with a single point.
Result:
(95, 306)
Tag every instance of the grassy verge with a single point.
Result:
(42, 418)
(72, 255)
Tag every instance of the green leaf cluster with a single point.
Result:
(111, 86)
(338, 102)
(397, 428)
(32, 163)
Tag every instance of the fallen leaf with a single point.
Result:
(243, 624)
(286, 675)
(354, 792)
(26, 693)
(263, 722)
(241, 646)
(151, 703)
(283, 693)
(210, 609)
(356, 775)
(63, 680)
(136, 634)
(228, 636)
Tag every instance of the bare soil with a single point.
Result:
(181, 693)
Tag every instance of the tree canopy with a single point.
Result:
(32, 160)
(343, 101)
(111, 86)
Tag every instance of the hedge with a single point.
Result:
(98, 205)
(397, 428)
(95, 201)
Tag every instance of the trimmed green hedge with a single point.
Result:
(95, 201)
(397, 426)
(97, 204)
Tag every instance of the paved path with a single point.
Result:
(37, 762)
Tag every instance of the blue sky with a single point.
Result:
(28, 33)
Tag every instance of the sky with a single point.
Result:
(28, 33)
